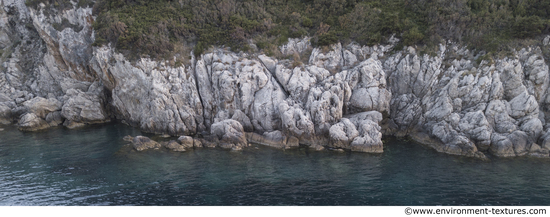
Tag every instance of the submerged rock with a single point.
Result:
(317, 147)
(274, 139)
(141, 143)
(173, 146)
(128, 138)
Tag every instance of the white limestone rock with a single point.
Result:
(332, 60)
(295, 121)
(42, 107)
(82, 108)
(31, 122)
(343, 133)
(230, 134)
(295, 45)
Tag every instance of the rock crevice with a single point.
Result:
(344, 97)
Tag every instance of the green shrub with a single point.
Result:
(306, 22)
(525, 27)
(412, 36)
(152, 28)
(199, 48)
(327, 39)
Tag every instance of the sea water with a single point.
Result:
(94, 166)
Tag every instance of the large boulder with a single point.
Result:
(42, 107)
(82, 108)
(31, 122)
(230, 133)
(186, 141)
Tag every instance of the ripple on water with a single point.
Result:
(93, 166)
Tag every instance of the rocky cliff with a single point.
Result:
(343, 97)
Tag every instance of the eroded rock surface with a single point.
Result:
(343, 97)
(31, 122)
(230, 134)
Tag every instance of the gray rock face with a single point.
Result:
(342, 98)
(151, 95)
(186, 141)
(141, 143)
(54, 119)
(332, 61)
(31, 122)
(343, 133)
(42, 107)
(359, 132)
(84, 108)
(370, 137)
(537, 151)
(5, 114)
(476, 127)
(468, 109)
(230, 133)
(368, 82)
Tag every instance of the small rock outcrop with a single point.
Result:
(188, 142)
(141, 143)
(174, 146)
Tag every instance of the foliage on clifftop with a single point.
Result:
(160, 28)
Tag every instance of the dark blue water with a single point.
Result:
(94, 166)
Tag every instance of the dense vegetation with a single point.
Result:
(160, 28)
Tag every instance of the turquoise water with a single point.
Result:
(94, 166)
